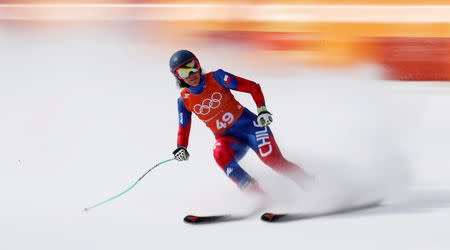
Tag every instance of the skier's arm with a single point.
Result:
(184, 128)
(230, 81)
(184, 124)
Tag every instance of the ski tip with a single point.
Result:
(267, 216)
(271, 217)
(193, 219)
(190, 218)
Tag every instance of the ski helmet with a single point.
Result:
(179, 58)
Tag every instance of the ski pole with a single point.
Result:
(128, 189)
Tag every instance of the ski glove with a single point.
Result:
(181, 154)
(264, 118)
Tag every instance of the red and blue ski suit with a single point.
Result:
(233, 125)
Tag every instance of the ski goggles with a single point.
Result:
(185, 70)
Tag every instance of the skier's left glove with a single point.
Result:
(264, 118)
(181, 154)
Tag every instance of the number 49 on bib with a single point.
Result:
(227, 119)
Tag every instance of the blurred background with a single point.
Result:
(409, 39)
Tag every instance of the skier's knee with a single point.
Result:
(223, 153)
(274, 160)
(280, 164)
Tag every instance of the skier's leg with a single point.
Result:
(267, 150)
(227, 152)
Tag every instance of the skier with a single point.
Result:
(234, 126)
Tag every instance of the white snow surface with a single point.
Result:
(85, 112)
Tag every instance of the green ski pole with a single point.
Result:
(128, 189)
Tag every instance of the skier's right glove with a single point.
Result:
(181, 154)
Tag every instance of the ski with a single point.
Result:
(271, 217)
(283, 217)
(226, 217)
(195, 219)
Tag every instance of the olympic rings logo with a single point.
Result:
(208, 104)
